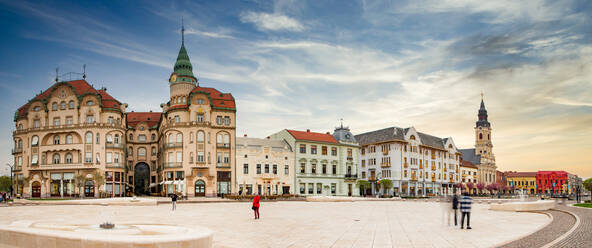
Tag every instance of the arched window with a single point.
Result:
(131, 137)
(480, 136)
(153, 151)
(130, 151)
(171, 138)
(56, 140)
(54, 106)
(183, 99)
(109, 139)
(98, 137)
(219, 138)
(116, 138)
(191, 137)
(56, 158)
(19, 144)
(141, 151)
(69, 139)
(412, 137)
(179, 137)
(20, 127)
(63, 105)
(71, 104)
(153, 136)
(488, 137)
(226, 139)
(35, 141)
(88, 138)
(68, 158)
(200, 136)
(191, 157)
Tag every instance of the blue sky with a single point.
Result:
(306, 64)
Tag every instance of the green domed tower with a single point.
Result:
(182, 80)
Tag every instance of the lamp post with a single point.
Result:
(11, 182)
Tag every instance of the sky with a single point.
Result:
(307, 64)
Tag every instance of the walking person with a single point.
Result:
(465, 209)
(174, 201)
(455, 207)
(256, 206)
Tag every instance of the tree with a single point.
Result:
(480, 187)
(99, 179)
(588, 184)
(363, 184)
(471, 186)
(386, 185)
(4, 183)
(79, 180)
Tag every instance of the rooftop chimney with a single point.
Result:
(308, 130)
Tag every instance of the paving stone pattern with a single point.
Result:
(582, 236)
(562, 223)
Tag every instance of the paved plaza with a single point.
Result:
(309, 224)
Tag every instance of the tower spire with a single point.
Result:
(182, 32)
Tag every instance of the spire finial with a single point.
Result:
(481, 95)
(56, 79)
(341, 120)
(84, 71)
(182, 32)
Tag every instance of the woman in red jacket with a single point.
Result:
(256, 206)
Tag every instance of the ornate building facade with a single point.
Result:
(73, 138)
(264, 166)
(482, 155)
(416, 163)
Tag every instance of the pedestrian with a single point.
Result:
(174, 201)
(4, 198)
(465, 209)
(455, 208)
(256, 206)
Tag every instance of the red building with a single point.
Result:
(552, 182)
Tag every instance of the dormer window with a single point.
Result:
(142, 128)
(89, 103)
(36, 108)
(200, 101)
(63, 105)
(71, 104)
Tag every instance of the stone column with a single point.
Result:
(61, 188)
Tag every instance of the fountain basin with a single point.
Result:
(43, 234)
(539, 205)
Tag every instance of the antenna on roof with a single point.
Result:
(341, 119)
(56, 79)
(84, 71)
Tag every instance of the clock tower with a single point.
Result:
(484, 147)
(181, 81)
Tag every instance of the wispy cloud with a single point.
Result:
(271, 21)
(208, 34)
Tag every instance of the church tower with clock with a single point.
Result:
(484, 147)
(182, 80)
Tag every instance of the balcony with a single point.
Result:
(351, 176)
(70, 127)
(173, 165)
(114, 165)
(406, 165)
(223, 145)
(385, 164)
(350, 158)
(200, 165)
(173, 145)
(114, 145)
(267, 176)
(17, 168)
(62, 166)
(223, 165)
(17, 150)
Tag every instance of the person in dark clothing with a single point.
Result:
(256, 206)
(465, 209)
(174, 201)
(455, 208)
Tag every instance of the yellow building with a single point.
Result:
(522, 182)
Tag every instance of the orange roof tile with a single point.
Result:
(312, 136)
(219, 100)
(468, 164)
(151, 118)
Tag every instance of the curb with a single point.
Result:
(524, 236)
(565, 235)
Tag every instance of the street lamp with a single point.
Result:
(11, 182)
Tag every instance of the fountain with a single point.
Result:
(77, 235)
(523, 205)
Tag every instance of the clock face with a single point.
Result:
(173, 78)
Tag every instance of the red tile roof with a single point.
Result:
(151, 118)
(312, 136)
(468, 164)
(219, 100)
(80, 87)
(520, 174)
